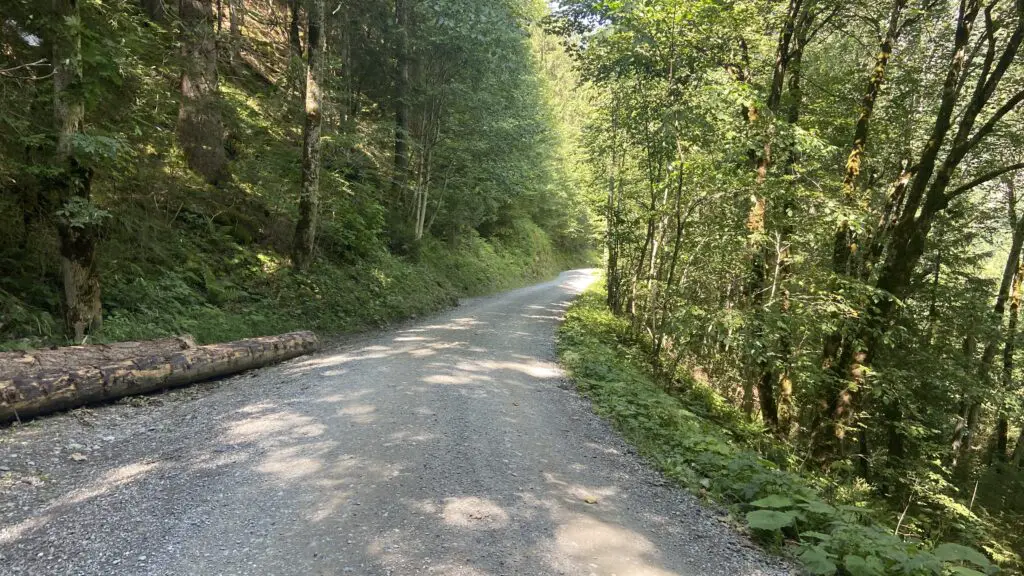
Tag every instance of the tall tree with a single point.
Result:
(200, 132)
(401, 171)
(78, 220)
(236, 17)
(309, 199)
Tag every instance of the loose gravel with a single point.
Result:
(452, 445)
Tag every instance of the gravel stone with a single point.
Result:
(451, 445)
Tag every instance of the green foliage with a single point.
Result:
(809, 247)
(179, 256)
(771, 520)
(828, 535)
(79, 212)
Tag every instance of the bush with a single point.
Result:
(692, 439)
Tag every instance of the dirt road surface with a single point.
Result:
(451, 445)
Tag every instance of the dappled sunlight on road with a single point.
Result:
(109, 481)
(474, 513)
(584, 540)
(276, 426)
(445, 448)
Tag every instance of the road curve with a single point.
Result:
(448, 446)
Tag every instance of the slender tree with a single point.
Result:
(309, 199)
(200, 132)
(401, 171)
(78, 220)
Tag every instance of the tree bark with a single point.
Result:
(401, 175)
(844, 239)
(783, 382)
(154, 9)
(612, 282)
(49, 391)
(924, 195)
(294, 39)
(767, 373)
(1009, 349)
(309, 199)
(236, 14)
(78, 222)
(200, 132)
(1018, 451)
(26, 363)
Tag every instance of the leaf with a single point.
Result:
(966, 571)
(590, 499)
(950, 552)
(769, 519)
(859, 566)
(817, 562)
(773, 501)
(818, 507)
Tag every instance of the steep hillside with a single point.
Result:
(177, 254)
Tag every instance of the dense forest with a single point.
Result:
(243, 167)
(809, 211)
(813, 210)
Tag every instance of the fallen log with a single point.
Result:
(32, 394)
(69, 357)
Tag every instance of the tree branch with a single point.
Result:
(990, 125)
(992, 175)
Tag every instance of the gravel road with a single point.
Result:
(451, 445)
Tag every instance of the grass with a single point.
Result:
(237, 291)
(696, 439)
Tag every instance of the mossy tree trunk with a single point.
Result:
(77, 221)
(309, 198)
(200, 132)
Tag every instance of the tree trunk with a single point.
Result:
(78, 222)
(767, 373)
(49, 391)
(786, 408)
(844, 238)
(1018, 451)
(294, 39)
(200, 132)
(26, 363)
(401, 175)
(154, 9)
(904, 243)
(1006, 381)
(309, 199)
(236, 15)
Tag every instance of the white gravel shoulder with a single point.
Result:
(451, 446)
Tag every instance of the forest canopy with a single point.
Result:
(809, 211)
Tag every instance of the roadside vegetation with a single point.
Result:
(162, 170)
(814, 223)
(700, 440)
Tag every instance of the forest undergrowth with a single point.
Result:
(700, 440)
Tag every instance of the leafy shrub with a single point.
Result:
(688, 441)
